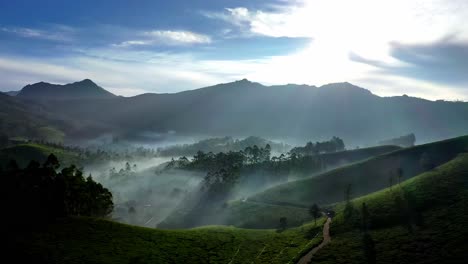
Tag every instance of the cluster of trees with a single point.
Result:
(127, 171)
(216, 145)
(252, 158)
(403, 141)
(102, 154)
(40, 193)
(97, 155)
(333, 145)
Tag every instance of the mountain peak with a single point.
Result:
(85, 89)
(345, 88)
(87, 82)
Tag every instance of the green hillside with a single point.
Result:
(87, 240)
(252, 214)
(421, 221)
(24, 153)
(365, 177)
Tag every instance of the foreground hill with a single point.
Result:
(423, 220)
(245, 108)
(87, 240)
(85, 89)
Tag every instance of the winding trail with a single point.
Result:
(326, 239)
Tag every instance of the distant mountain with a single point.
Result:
(12, 93)
(244, 108)
(85, 89)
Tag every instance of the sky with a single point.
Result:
(418, 48)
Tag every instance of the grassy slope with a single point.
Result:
(249, 214)
(258, 215)
(366, 176)
(85, 240)
(441, 196)
(24, 153)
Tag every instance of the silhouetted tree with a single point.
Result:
(390, 180)
(348, 193)
(3, 140)
(314, 210)
(283, 223)
(400, 175)
(43, 193)
(425, 161)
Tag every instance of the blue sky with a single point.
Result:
(418, 48)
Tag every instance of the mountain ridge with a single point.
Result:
(244, 108)
(77, 90)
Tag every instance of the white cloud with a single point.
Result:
(167, 37)
(56, 33)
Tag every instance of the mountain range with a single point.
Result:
(244, 108)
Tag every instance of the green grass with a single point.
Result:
(24, 153)
(365, 177)
(258, 215)
(440, 196)
(86, 240)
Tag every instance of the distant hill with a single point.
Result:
(28, 120)
(303, 112)
(85, 89)
(366, 176)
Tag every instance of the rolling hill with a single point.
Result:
(366, 176)
(293, 198)
(430, 227)
(251, 214)
(87, 240)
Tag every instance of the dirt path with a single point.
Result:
(326, 239)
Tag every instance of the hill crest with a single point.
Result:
(85, 89)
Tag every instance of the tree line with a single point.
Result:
(40, 193)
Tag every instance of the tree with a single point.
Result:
(348, 193)
(400, 175)
(390, 180)
(349, 209)
(52, 162)
(365, 216)
(425, 161)
(43, 192)
(314, 210)
(283, 223)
